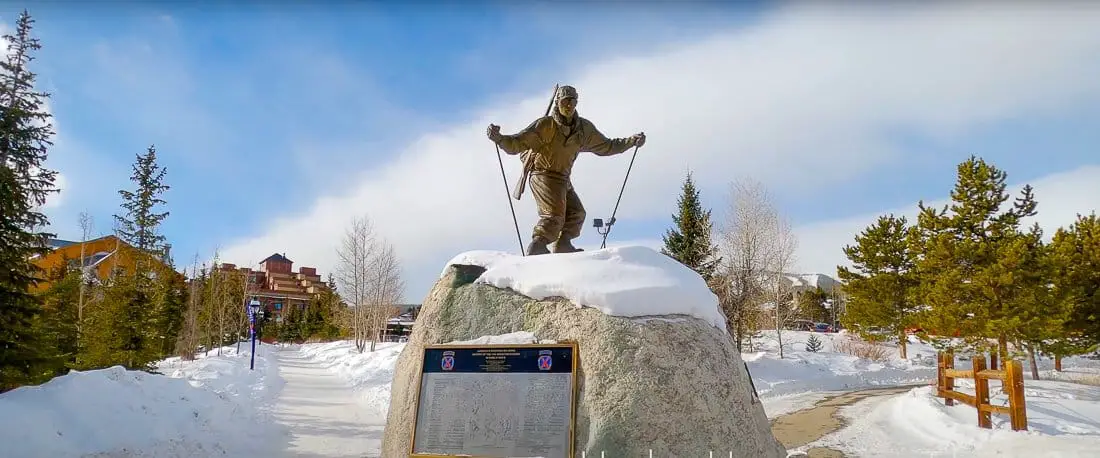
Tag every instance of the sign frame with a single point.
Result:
(573, 388)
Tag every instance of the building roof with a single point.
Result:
(276, 257)
(58, 243)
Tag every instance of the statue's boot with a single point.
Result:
(537, 246)
(565, 246)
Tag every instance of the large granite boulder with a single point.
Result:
(657, 369)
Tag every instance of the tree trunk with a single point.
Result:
(993, 359)
(1058, 363)
(778, 330)
(902, 341)
(1031, 360)
(1002, 344)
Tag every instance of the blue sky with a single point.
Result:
(277, 122)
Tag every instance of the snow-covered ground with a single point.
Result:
(213, 406)
(216, 406)
(801, 378)
(1063, 421)
(1063, 416)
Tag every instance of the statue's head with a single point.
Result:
(566, 100)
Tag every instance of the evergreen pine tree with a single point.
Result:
(813, 344)
(811, 306)
(1028, 314)
(1075, 260)
(690, 241)
(880, 285)
(139, 317)
(170, 295)
(966, 276)
(57, 325)
(119, 330)
(139, 226)
(25, 137)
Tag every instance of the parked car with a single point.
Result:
(802, 325)
(822, 327)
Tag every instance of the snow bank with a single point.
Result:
(630, 281)
(1063, 420)
(205, 407)
(228, 373)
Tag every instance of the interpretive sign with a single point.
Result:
(496, 401)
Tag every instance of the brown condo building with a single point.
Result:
(277, 286)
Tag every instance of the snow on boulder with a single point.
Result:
(632, 281)
(657, 370)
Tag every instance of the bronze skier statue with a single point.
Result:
(550, 146)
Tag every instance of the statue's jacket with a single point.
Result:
(551, 146)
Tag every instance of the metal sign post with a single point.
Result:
(253, 308)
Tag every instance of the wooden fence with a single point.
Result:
(1012, 378)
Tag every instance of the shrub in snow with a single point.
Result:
(813, 344)
(858, 348)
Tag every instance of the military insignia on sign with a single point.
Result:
(545, 360)
(448, 360)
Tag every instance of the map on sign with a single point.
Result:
(496, 401)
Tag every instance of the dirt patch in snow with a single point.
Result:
(797, 429)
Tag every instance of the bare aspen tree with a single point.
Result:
(247, 289)
(217, 277)
(85, 230)
(218, 297)
(386, 287)
(189, 334)
(355, 254)
(743, 244)
(781, 244)
(205, 310)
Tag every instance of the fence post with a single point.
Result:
(981, 394)
(949, 382)
(939, 373)
(1014, 382)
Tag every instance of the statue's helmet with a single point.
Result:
(566, 92)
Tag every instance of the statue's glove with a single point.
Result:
(494, 133)
(638, 139)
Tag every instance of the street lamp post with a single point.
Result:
(253, 310)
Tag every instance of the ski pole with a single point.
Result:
(514, 220)
(523, 177)
(616, 210)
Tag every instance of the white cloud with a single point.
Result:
(804, 98)
(54, 199)
(1061, 197)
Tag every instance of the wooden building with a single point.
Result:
(103, 257)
